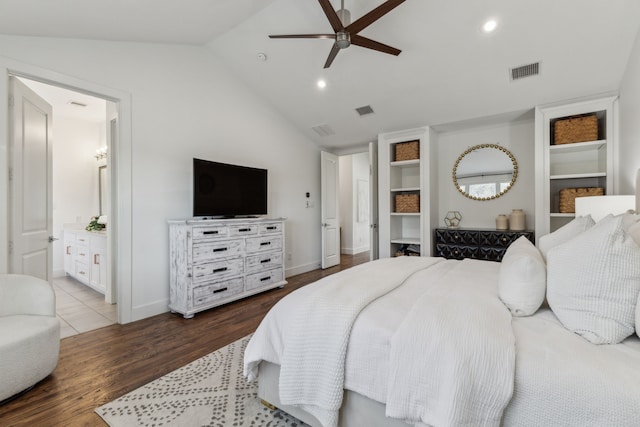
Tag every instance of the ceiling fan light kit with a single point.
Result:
(346, 32)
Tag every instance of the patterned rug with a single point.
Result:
(210, 391)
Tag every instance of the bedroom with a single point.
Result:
(173, 84)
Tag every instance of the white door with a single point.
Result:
(30, 188)
(373, 201)
(330, 210)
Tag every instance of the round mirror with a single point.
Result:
(485, 172)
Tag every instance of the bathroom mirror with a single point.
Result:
(485, 172)
(102, 189)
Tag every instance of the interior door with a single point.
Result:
(373, 201)
(30, 183)
(330, 210)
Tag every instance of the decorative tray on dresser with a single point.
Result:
(489, 245)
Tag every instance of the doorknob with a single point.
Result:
(52, 239)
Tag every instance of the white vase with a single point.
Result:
(517, 220)
(502, 222)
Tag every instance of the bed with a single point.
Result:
(433, 342)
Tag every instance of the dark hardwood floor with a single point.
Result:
(98, 366)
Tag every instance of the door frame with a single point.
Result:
(120, 252)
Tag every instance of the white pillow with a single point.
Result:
(638, 317)
(564, 234)
(631, 225)
(593, 281)
(523, 278)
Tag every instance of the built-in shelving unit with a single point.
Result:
(404, 232)
(573, 165)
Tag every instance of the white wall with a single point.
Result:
(354, 172)
(186, 104)
(629, 157)
(75, 177)
(518, 138)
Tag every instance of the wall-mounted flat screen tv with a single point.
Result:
(225, 190)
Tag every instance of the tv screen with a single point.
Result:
(224, 190)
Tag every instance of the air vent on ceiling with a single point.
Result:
(323, 130)
(77, 104)
(525, 71)
(363, 111)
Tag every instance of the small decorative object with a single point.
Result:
(517, 220)
(94, 225)
(502, 222)
(452, 219)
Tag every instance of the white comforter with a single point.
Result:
(391, 355)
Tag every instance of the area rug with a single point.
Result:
(210, 391)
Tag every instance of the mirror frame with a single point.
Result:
(102, 188)
(477, 147)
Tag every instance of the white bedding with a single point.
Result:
(560, 379)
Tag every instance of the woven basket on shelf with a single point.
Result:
(575, 129)
(407, 203)
(407, 151)
(568, 197)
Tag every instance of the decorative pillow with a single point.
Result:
(638, 317)
(564, 234)
(631, 225)
(593, 282)
(523, 278)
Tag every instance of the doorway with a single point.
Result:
(83, 127)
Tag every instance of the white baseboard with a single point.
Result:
(152, 309)
(354, 251)
(58, 273)
(294, 271)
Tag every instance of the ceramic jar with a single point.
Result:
(502, 222)
(517, 220)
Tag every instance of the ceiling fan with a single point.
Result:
(346, 32)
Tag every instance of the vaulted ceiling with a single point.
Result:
(449, 69)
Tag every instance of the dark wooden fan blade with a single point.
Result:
(372, 44)
(372, 16)
(332, 16)
(332, 55)
(303, 36)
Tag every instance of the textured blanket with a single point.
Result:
(452, 359)
(313, 359)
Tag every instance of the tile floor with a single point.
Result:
(80, 308)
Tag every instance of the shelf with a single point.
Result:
(398, 190)
(561, 215)
(578, 146)
(579, 175)
(405, 163)
(406, 241)
(405, 213)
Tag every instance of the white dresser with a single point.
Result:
(213, 262)
(85, 257)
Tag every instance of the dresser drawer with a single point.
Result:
(83, 253)
(263, 261)
(457, 237)
(216, 291)
(219, 269)
(264, 278)
(82, 239)
(243, 230)
(202, 233)
(203, 252)
(501, 239)
(82, 271)
(265, 243)
(274, 227)
(456, 252)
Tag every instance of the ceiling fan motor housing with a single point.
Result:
(343, 40)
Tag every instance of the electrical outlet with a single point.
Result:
(310, 203)
(289, 256)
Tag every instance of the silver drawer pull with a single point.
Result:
(217, 291)
(265, 260)
(264, 279)
(219, 270)
(265, 243)
(211, 232)
(220, 249)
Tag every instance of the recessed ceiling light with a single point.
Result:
(321, 84)
(489, 26)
